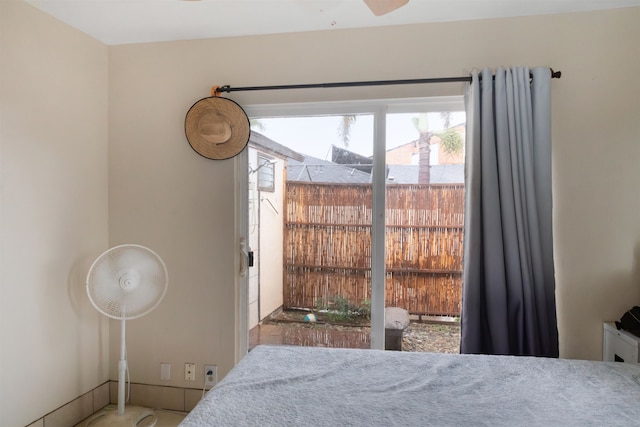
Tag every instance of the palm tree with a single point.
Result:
(344, 128)
(256, 124)
(450, 140)
(446, 118)
(421, 123)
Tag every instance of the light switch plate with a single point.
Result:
(165, 371)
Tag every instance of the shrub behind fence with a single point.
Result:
(327, 245)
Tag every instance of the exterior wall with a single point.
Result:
(404, 154)
(254, 242)
(53, 212)
(266, 210)
(271, 244)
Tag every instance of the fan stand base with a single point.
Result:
(134, 416)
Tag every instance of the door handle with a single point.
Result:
(243, 258)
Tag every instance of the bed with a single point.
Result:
(313, 387)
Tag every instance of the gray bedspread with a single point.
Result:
(313, 387)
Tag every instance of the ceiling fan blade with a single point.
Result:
(382, 7)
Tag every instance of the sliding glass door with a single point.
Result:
(316, 180)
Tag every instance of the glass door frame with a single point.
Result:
(378, 109)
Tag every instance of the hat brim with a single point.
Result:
(217, 113)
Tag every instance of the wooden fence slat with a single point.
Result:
(327, 245)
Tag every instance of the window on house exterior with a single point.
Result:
(266, 173)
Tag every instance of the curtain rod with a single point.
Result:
(218, 89)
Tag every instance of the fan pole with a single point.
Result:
(122, 369)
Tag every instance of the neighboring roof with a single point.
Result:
(347, 157)
(312, 169)
(439, 174)
(267, 145)
(349, 167)
(316, 170)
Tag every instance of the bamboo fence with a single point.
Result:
(327, 245)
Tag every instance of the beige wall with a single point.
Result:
(53, 210)
(163, 195)
(596, 153)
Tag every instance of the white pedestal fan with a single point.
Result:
(124, 283)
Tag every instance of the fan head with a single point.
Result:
(127, 281)
(382, 7)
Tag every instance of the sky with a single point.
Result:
(314, 136)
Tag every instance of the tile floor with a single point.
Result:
(316, 336)
(165, 418)
(169, 419)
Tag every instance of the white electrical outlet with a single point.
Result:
(210, 375)
(190, 371)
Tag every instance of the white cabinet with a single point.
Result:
(619, 345)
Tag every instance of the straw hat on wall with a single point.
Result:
(217, 128)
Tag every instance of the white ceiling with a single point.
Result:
(138, 21)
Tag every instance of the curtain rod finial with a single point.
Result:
(555, 74)
(217, 90)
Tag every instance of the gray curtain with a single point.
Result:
(508, 297)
